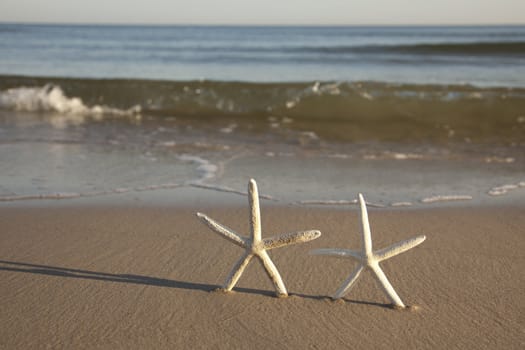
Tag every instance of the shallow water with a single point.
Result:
(410, 116)
(43, 158)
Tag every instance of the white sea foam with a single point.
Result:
(292, 103)
(210, 146)
(315, 88)
(494, 159)
(332, 89)
(168, 143)
(393, 155)
(310, 135)
(205, 168)
(279, 154)
(403, 156)
(401, 204)
(319, 89)
(307, 138)
(228, 129)
(51, 98)
(504, 189)
(475, 95)
(339, 156)
(446, 198)
(366, 95)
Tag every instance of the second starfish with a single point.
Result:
(370, 259)
(254, 245)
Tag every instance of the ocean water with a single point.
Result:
(424, 55)
(408, 115)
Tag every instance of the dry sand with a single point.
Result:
(141, 278)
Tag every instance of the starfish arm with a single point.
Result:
(273, 273)
(386, 286)
(348, 283)
(365, 226)
(398, 248)
(225, 232)
(290, 238)
(338, 253)
(255, 212)
(237, 271)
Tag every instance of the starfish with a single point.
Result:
(255, 246)
(370, 259)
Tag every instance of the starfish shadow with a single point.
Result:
(56, 271)
(110, 277)
(345, 300)
(370, 303)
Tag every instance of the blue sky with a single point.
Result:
(289, 12)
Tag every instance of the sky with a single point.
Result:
(261, 12)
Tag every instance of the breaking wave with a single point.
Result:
(51, 98)
(338, 110)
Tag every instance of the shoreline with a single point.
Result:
(120, 277)
(182, 196)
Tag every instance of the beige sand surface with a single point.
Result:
(140, 278)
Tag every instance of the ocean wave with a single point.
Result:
(51, 98)
(445, 48)
(338, 110)
(252, 51)
(465, 48)
(446, 198)
(458, 48)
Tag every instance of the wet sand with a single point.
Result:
(143, 277)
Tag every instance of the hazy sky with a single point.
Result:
(351, 12)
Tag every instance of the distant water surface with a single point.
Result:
(490, 55)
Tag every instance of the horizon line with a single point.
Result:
(197, 24)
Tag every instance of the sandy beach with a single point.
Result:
(135, 277)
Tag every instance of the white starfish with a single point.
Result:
(254, 245)
(370, 259)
